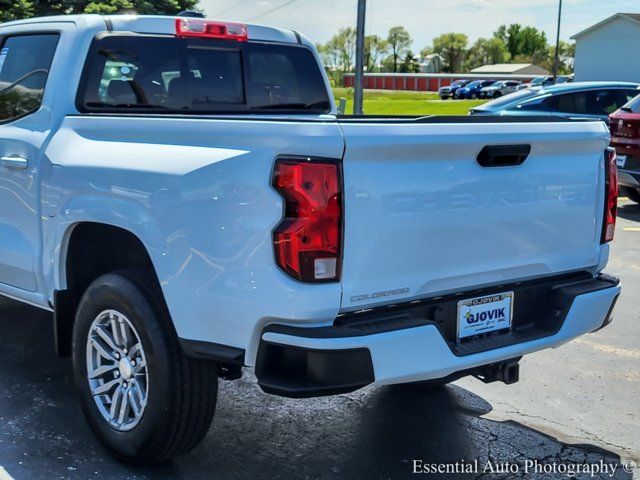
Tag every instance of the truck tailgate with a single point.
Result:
(423, 217)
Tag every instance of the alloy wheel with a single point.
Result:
(117, 370)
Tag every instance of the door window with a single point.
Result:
(591, 102)
(24, 66)
(542, 104)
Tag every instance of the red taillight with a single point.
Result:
(197, 27)
(308, 240)
(611, 199)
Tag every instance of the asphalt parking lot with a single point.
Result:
(575, 404)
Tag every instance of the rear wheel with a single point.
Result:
(497, 95)
(144, 399)
(473, 96)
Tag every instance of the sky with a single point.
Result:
(424, 19)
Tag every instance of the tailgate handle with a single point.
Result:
(503, 155)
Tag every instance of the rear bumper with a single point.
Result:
(398, 346)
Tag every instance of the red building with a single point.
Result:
(421, 82)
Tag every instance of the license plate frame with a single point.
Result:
(471, 320)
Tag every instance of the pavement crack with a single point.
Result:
(590, 436)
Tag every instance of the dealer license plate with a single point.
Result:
(621, 160)
(485, 314)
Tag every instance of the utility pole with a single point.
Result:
(359, 77)
(556, 59)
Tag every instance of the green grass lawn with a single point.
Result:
(379, 102)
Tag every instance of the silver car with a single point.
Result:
(500, 88)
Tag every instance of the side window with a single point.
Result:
(572, 103)
(24, 66)
(546, 104)
(604, 102)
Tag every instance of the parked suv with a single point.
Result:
(183, 196)
(450, 90)
(624, 125)
(499, 88)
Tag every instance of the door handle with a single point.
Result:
(503, 155)
(14, 161)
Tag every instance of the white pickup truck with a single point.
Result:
(183, 196)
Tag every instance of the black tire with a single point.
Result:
(182, 391)
(634, 195)
(497, 95)
(473, 96)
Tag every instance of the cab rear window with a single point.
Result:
(163, 74)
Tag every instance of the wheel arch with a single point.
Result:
(89, 249)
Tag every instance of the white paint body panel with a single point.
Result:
(422, 217)
(196, 192)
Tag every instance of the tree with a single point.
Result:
(567, 53)
(451, 47)
(341, 49)
(338, 54)
(399, 42)
(528, 41)
(428, 50)
(534, 42)
(15, 9)
(409, 63)
(486, 51)
(511, 37)
(546, 59)
(347, 44)
(374, 48)
(330, 54)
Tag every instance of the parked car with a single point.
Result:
(209, 210)
(564, 79)
(624, 125)
(546, 81)
(472, 89)
(450, 90)
(499, 88)
(594, 100)
(536, 83)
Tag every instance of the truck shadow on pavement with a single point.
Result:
(629, 211)
(373, 433)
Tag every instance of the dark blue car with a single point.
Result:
(472, 90)
(450, 90)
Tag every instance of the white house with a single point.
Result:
(609, 50)
(431, 63)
